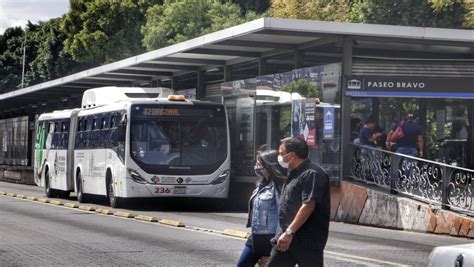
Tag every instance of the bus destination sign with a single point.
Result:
(161, 112)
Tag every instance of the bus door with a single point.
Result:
(40, 151)
(241, 112)
(273, 123)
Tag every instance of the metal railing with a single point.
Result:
(436, 183)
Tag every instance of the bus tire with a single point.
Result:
(49, 192)
(81, 197)
(114, 201)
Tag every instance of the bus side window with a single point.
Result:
(106, 130)
(78, 133)
(64, 134)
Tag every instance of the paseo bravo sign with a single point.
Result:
(410, 86)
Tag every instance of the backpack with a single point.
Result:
(396, 134)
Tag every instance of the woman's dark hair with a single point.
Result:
(269, 160)
(297, 146)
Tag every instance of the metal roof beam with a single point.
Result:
(319, 42)
(223, 52)
(113, 77)
(142, 72)
(243, 43)
(189, 61)
(166, 66)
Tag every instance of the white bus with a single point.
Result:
(134, 143)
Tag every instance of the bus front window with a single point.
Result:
(194, 139)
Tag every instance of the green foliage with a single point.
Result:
(407, 13)
(105, 30)
(50, 61)
(177, 21)
(311, 9)
(259, 6)
(422, 13)
(303, 87)
(11, 54)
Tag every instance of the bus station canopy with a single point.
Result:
(243, 47)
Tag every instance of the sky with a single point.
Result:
(18, 12)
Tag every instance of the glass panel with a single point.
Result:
(178, 136)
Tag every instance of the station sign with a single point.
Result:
(413, 86)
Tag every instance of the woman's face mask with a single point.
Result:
(260, 171)
(263, 173)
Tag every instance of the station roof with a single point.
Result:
(268, 38)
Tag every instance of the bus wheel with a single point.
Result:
(47, 186)
(81, 197)
(114, 201)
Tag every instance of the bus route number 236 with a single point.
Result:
(162, 190)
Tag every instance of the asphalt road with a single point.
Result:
(39, 234)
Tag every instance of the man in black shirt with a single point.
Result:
(304, 209)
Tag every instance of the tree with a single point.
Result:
(303, 87)
(422, 13)
(51, 61)
(105, 31)
(11, 54)
(408, 13)
(177, 21)
(259, 6)
(311, 9)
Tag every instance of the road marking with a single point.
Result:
(359, 259)
(11, 194)
(20, 196)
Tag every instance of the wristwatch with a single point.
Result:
(289, 232)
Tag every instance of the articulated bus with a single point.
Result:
(134, 143)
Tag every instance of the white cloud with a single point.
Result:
(18, 12)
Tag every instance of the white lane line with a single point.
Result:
(362, 260)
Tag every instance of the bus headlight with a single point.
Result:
(136, 177)
(221, 178)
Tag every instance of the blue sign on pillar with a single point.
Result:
(328, 122)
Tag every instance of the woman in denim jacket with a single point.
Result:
(263, 209)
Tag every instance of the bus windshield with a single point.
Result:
(191, 139)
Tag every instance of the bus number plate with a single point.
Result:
(179, 190)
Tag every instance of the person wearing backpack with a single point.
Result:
(412, 141)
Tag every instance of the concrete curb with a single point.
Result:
(20, 196)
(32, 198)
(11, 194)
(146, 218)
(104, 211)
(56, 202)
(87, 208)
(124, 214)
(172, 223)
(71, 205)
(43, 200)
(2, 193)
(235, 233)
